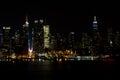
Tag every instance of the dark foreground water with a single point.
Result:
(73, 70)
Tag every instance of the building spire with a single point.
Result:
(95, 25)
(94, 18)
(26, 21)
(26, 18)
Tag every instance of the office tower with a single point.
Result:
(38, 36)
(53, 42)
(17, 41)
(71, 40)
(17, 36)
(7, 39)
(85, 43)
(110, 37)
(46, 33)
(28, 34)
(117, 39)
(60, 41)
(84, 40)
(95, 29)
(25, 35)
(30, 38)
(116, 48)
(95, 23)
(96, 36)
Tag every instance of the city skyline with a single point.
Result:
(61, 16)
(62, 22)
(74, 40)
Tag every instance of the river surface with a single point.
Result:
(69, 70)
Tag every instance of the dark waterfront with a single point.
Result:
(80, 70)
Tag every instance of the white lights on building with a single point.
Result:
(41, 20)
(26, 23)
(6, 27)
(72, 33)
(46, 36)
(111, 42)
(36, 21)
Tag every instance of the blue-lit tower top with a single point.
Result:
(95, 23)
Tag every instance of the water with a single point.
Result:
(71, 70)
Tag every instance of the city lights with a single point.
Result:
(36, 42)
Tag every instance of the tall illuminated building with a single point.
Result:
(95, 23)
(84, 40)
(28, 33)
(96, 35)
(53, 42)
(38, 35)
(71, 39)
(7, 38)
(16, 41)
(25, 37)
(46, 33)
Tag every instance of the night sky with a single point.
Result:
(61, 16)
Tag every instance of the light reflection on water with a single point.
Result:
(59, 71)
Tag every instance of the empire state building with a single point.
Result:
(96, 34)
(95, 23)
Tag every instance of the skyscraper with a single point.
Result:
(71, 39)
(28, 33)
(38, 35)
(46, 32)
(95, 23)
(96, 36)
(7, 38)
